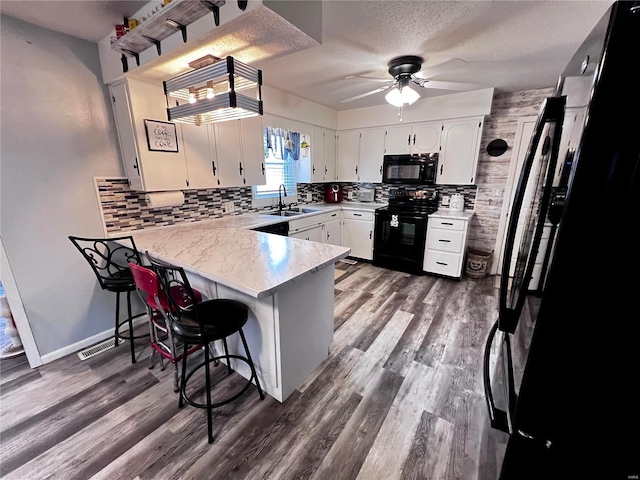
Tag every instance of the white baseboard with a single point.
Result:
(87, 342)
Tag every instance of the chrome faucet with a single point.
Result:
(281, 204)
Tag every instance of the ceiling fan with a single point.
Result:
(406, 70)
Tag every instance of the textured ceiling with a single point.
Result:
(508, 45)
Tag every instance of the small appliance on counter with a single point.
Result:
(333, 193)
(365, 193)
(456, 203)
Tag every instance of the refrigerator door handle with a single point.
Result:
(500, 419)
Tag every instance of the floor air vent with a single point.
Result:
(349, 261)
(96, 349)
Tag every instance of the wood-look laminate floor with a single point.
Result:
(400, 397)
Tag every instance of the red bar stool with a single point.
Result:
(204, 323)
(162, 341)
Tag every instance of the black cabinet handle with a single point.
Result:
(414, 138)
(213, 167)
(380, 169)
(409, 140)
(135, 165)
(328, 235)
(325, 170)
(370, 234)
(445, 241)
(262, 165)
(357, 214)
(334, 214)
(446, 223)
(356, 169)
(241, 169)
(441, 169)
(440, 263)
(314, 169)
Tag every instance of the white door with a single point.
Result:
(459, 152)
(126, 136)
(333, 232)
(317, 155)
(253, 151)
(425, 138)
(229, 153)
(330, 156)
(348, 147)
(199, 152)
(397, 140)
(371, 155)
(358, 235)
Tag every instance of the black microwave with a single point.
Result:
(410, 169)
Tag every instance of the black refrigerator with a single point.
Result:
(565, 383)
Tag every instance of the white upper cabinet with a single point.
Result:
(413, 139)
(348, 150)
(371, 155)
(239, 147)
(323, 155)
(147, 170)
(360, 154)
(200, 155)
(460, 148)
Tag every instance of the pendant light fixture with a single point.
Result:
(209, 93)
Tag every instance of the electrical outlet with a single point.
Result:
(309, 197)
(229, 207)
(350, 195)
(445, 200)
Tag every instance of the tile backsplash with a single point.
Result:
(125, 210)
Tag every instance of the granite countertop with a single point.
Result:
(250, 262)
(446, 213)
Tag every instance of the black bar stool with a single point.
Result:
(109, 260)
(202, 323)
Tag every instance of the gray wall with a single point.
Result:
(57, 133)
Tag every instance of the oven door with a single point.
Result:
(399, 241)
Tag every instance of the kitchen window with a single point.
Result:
(282, 150)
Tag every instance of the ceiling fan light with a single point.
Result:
(409, 95)
(394, 97)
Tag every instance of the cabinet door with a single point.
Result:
(397, 140)
(348, 146)
(253, 151)
(333, 232)
(358, 235)
(160, 170)
(126, 136)
(371, 155)
(330, 156)
(229, 154)
(425, 138)
(317, 155)
(459, 155)
(200, 156)
(316, 234)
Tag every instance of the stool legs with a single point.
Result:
(133, 353)
(183, 379)
(207, 382)
(117, 318)
(226, 352)
(251, 365)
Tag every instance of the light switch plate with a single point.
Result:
(229, 207)
(309, 197)
(350, 195)
(445, 200)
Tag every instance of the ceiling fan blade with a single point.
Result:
(461, 87)
(375, 79)
(362, 95)
(452, 64)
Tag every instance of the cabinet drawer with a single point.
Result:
(298, 223)
(449, 241)
(333, 216)
(448, 223)
(357, 214)
(442, 263)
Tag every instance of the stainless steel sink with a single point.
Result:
(286, 213)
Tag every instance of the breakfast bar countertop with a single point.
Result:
(250, 262)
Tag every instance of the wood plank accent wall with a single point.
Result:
(492, 173)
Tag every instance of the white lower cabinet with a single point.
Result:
(333, 228)
(312, 234)
(445, 245)
(357, 233)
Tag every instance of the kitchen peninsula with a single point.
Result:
(287, 283)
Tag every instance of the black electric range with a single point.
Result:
(401, 230)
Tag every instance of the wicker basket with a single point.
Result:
(477, 263)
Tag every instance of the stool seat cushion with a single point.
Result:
(123, 284)
(221, 318)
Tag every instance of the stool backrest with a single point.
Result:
(108, 257)
(147, 281)
(177, 290)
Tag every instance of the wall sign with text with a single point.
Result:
(161, 136)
